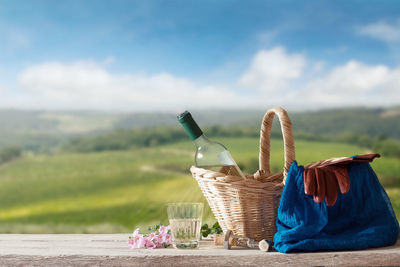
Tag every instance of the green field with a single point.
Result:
(108, 192)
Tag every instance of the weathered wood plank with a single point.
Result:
(67, 250)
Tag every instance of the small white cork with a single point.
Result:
(264, 245)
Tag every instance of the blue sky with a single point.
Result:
(169, 55)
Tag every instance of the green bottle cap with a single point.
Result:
(190, 125)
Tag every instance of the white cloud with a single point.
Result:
(270, 70)
(109, 60)
(88, 85)
(318, 66)
(276, 77)
(355, 83)
(389, 33)
(7, 99)
(353, 75)
(2, 92)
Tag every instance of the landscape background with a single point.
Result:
(92, 172)
(90, 91)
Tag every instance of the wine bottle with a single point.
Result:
(209, 154)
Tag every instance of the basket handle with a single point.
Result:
(265, 138)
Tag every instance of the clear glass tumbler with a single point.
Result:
(185, 220)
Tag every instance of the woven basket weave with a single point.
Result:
(249, 206)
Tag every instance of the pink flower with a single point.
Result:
(168, 239)
(163, 230)
(160, 239)
(131, 244)
(149, 244)
(151, 241)
(152, 236)
(135, 233)
(137, 240)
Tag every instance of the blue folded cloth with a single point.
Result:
(362, 218)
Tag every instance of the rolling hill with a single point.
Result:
(44, 130)
(116, 191)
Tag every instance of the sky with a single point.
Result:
(173, 55)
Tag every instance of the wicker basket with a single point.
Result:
(249, 206)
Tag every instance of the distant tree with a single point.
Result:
(9, 153)
(148, 137)
(387, 147)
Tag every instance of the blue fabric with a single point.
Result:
(362, 218)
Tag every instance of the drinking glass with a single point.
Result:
(185, 220)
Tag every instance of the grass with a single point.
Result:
(117, 191)
(91, 190)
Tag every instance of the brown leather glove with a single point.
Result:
(324, 180)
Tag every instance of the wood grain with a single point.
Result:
(89, 250)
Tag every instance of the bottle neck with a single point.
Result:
(201, 140)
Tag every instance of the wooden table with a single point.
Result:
(112, 249)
